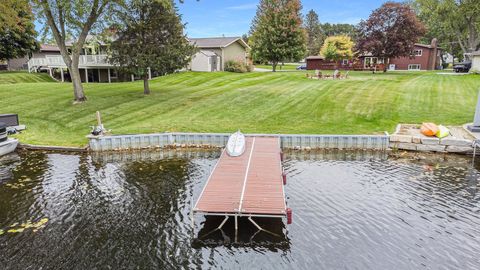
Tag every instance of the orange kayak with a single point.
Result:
(429, 129)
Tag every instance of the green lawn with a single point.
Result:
(7, 77)
(254, 102)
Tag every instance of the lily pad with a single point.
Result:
(19, 230)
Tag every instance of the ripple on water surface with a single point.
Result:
(352, 210)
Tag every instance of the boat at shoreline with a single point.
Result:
(7, 145)
(236, 144)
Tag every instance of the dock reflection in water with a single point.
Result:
(351, 210)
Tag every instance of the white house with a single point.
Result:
(475, 62)
(215, 52)
(206, 61)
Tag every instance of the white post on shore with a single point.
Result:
(133, 78)
(149, 74)
(50, 72)
(86, 75)
(99, 80)
(475, 127)
(109, 78)
(61, 74)
(99, 120)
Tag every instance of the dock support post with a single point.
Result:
(192, 217)
(50, 72)
(254, 223)
(109, 78)
(99, 80)
(236, 228)
(86, 75)
(61, 74)
(223, 223)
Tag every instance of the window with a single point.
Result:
(345, 62)
(414, 67)
(417, 52)
(373, 61)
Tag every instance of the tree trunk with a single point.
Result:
(76, 77)
(274, 66)
(146, 87)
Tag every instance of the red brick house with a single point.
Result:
(423, 57)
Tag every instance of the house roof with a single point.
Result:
(91, 38)
(315, 57)
(49, 48)
(217, 42)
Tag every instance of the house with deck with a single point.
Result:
(423, 57)
(212, 55)
(93, 62)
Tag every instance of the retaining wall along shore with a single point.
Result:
(162, 140)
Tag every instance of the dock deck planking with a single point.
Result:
(247, 185)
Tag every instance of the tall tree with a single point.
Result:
(152, 38)
(391, 31)
(452, 21)
(73, 18)
(277, 33)
(339, 29)
(337, 48)
(314, 33)
(17, 30)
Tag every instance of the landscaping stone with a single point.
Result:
(401, 138)
(406, 146)
(451, 141)
(417, 139)
(431, 147)
(459, 149)
(430, 140)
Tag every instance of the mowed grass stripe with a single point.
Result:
(283, 102)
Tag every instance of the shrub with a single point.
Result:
(237, 66)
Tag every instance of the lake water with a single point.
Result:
(351, 210)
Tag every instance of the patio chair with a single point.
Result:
(345, 76)
(336, 74)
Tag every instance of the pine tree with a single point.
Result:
(152, 37)
(277, 33)
(314, 33)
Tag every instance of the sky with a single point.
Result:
(211, 18)
(215, 18)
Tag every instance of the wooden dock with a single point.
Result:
(250, 185)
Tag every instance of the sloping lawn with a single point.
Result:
(254, 102)
(7, 77)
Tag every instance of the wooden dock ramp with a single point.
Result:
(247, 186)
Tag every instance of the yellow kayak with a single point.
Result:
(442, 132)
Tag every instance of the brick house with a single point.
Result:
(423, 57)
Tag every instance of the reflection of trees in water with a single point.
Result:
(158, 215)
(23, 172)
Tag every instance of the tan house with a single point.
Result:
(214, 52)
(475, 62)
